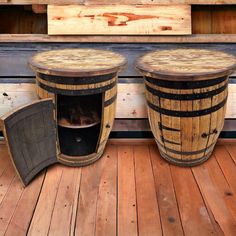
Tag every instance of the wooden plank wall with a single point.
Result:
(131, 103)
(214, 19)
(16, 55)
(21, 20)
(112, 2)
(209, 24)
(121, 20)
(218, 19)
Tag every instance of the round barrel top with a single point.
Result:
(77, 62)
(186, 64)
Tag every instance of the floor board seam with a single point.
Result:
(36, 202)
(137, 213)
(154, 180)
(205, 203)
(176, 198)
(54, 203)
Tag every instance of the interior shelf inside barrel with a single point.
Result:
(79, 123)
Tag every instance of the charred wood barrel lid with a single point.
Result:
(186, 92)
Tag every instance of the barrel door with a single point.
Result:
(31, 136)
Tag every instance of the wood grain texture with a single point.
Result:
(202, 195)
(17, 20)
(158, 2)
(223, 20)
(201, 19)
(122, 19)
(35, 147)
(77, 62)
(193, 212)
(186, 64)
(147, 205)
(30, 2)
(227, 165)
(213, 19)
(106, 216)
(66, 203)
(6, 178)
(107, 121)
(40, 223)
(214, 198)
(9, 204)
(127, 213)
(23, 213)
(194, 38)
(96, 2)
(85, 224)
(222, 185)
(169, 212)
(205, 19)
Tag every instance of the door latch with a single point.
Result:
(205, 135)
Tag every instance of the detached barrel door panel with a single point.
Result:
(31, 136)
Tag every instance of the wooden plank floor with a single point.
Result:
(130, 191)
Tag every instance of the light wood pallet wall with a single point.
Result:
(190, 23)
(205, 19)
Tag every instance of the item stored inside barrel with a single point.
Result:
(79, 119)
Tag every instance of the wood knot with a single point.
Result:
(227, 193)
(58, 18)
(215, 131)
(171, 219)
(166, 28)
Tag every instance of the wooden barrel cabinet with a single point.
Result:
(72, 121)
(186, 93)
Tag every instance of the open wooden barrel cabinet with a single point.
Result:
(186, 93)
(72, 122)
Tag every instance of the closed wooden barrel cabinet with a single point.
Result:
(83, 86)
(186, 93)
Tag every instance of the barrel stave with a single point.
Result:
(186, 124)
(42, 93)
(170, 132)
(108, 117)
(196, 104)
(154, 118)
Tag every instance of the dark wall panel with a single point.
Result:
(14, 56)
